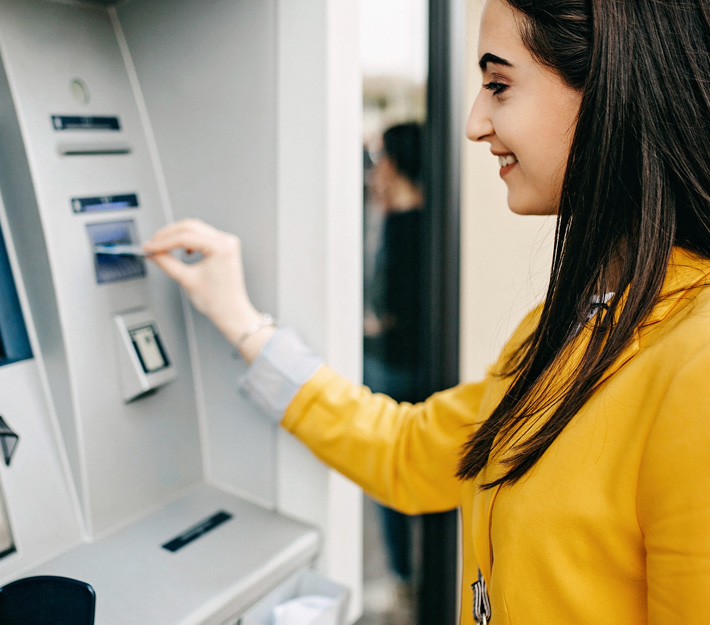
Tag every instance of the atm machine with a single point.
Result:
(130, 461)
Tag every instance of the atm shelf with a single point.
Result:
(232, 553)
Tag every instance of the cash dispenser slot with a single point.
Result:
(115, 267)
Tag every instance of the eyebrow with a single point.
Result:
(492, 58)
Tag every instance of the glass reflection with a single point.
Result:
(395, 64)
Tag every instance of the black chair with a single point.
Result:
(47, 600)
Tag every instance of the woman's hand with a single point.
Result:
(215, 284)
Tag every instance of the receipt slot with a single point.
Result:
(143, 362)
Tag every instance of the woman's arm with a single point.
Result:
(215, 284)
(404, 455)
(674, 500)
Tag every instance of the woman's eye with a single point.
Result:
(495, 87)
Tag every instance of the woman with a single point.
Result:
(581, 462)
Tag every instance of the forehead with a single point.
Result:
(500, 35)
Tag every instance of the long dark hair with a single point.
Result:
(637, 183)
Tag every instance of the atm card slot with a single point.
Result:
(115, 267)
(87, 148)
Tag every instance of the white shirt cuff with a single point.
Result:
(284, 365)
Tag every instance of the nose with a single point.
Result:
(479, 126)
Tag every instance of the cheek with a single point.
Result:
(521, 130)
(539, 129)
(544, 144)
(562, 126)
(541, 144)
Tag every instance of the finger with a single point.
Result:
(174, 268)
(189, 234)
(169, 231)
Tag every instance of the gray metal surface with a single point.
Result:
(207, 72)
(215, 577)
(41, 504)
(125, 458)
(194, 85)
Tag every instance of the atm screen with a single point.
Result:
(83, 122)
(14, 341)
(149, 348)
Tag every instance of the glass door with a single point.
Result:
(412, 128)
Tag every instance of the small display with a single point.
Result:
(14, 341)
(7, 542)
(77, 122)
(143, 362)
(115, 267)
(104, 203)
(149, 349)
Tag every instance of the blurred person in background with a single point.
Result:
(392, 324)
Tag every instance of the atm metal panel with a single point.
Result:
(131, 456)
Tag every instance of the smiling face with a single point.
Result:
(525, 111)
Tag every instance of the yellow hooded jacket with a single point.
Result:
(611, 526)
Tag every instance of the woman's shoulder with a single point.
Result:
(682, 313)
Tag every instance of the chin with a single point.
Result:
(520, 206)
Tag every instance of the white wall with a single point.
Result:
(505, 257)
(320, 247)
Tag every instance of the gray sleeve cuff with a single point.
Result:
(278, 372)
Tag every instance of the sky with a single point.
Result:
(394, 37)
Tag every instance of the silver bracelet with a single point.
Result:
(264, 321)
